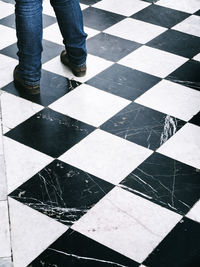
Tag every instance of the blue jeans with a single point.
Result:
(29, 33)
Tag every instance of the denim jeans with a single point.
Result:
(29, 33)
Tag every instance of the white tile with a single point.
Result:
(190, 25)
(48, 9)
(189, 6)
(22, 162)
(135, 30)
(6, 262)
(173, 99)
(197, 57)
(83, 6)
(106, 156)
(5, 129)
(15, 109)
(194, 213)
(3, 187)
(90, 32)
(90, 105)
(94, 66)
(128, 224)
(31, 232)
(9, 36)
(125, 7)
(153, 61)
(184, 146)
(6, 69)
(5, 249)
(52, 33)
(6, 9)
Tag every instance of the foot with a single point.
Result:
(77, 71)
(22, 86)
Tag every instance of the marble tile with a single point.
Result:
(110, 47)
(116, 77)
(194, 213)
(101, 153)
(131, 29)
(184, 146)
(90, 105)
(173, 99)
(5, 249)
(15, 110)
(6, 69)
(153, 61)
(178, 43)
(50, 132)
(62, 192)
(52, 87)
(165, 181)
(98, 19)
(75, 250)
(126, 8)
(143, 126)
(31, 232)
(190, 25)
(22, 162)
(185, 77)
(94, 66)
(189, 6)
(196, 119)
(161, 16)
(9, 36)
(6, 262)
(5, 9)
(89, 2)
(197, 57)
(179, 248)
(90, 32)
(122, 220)
(3, 185)
(47, 8)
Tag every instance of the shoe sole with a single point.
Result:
(31, 91)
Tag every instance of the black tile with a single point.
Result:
(196, 119)
(76, 250)
(161, 16)
(151, 1)
(123, 81)
(143, 126)
(62, 192)
(181, 248)
(197, 13)
(187, 74)
(52, 87)
(100, 19)
(10, 21)
(110, 47)
(50, 50)
(178, 43)
(50, 132)
(165, 181)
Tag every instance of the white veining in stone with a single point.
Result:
(173, 99)
(5, 249)
(106, 156)
(122, 220)
(31, 232)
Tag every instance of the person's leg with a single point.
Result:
(70, 20)
(29, 33)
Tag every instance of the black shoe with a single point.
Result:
(77, 71)
(22, 86)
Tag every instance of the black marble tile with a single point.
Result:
(50, 132)
(161, 16)
(181, 247)
(143, 126)
(178, 43)
(76, 250)
(197, 13)
(100, 19)
(52, 87)
(165, 181)
(62, 192)
(151, 1)
(123, 81)
(110, 47)
(9, 21)
(196, 119)
(187, 74)
(50, 50)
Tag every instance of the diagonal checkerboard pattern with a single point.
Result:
(104, 170)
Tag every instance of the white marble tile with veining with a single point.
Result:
(190, 25)
(5, 248)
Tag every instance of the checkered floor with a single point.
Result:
(105, 170)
